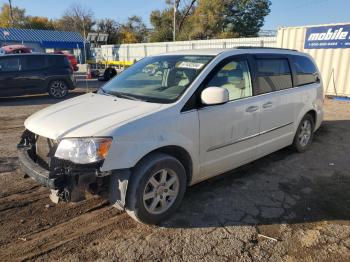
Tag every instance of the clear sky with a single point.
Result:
(283, 12)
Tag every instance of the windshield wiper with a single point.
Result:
(123, 95)
(105, 93)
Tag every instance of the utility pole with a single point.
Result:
(174, 24)
(84, 32)
(11, 14)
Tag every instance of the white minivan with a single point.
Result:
(171, 121)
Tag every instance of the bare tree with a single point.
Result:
(78, 17)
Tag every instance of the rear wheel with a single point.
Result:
(156, 188)
(109, 74)
(58, 89)
(305, 133)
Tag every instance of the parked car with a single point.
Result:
(22, 74)
(97, 69)
(72, 59)
(108, 74)
(15, 49)
(102, 72)
(147, 135)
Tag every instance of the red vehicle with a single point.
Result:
(72, 59)
(15, 49)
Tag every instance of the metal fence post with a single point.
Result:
(127, 53)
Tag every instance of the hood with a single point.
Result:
(86, 115)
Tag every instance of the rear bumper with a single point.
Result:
(35, 171)
(72, 83)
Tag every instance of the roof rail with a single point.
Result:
(264, 47)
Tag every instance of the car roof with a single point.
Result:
(30, 54)
(237, 50)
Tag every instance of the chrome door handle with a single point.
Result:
(267, 105)
(252, 109)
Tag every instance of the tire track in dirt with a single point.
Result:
(19, 192)
(19, 200)
(20, 209)
(23, 198)
(14, 183)
(34, 245)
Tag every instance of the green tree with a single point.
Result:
(207, 19)
(134, 31)
(110, 27)
(21, 20)
(19, 17)
(162, 21)
(39, 22)
(245, 17)
(204, 19)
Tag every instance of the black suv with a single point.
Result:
(35, 73)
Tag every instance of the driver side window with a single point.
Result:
(235, 77)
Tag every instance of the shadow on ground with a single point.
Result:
(284, 187)
(42, 99)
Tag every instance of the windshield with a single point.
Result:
(160, 79)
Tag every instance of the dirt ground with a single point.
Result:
(284, 207)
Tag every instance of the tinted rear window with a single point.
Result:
(33, 62)
(10, 64)
(273, 75)
(305, 69)
(57, 60)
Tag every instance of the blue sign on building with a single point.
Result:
(325, 37)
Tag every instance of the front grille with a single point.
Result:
(44, 148)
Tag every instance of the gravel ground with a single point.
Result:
(283, 207)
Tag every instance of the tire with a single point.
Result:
(58, 89)
(150, 200)
(304, 135)
(109, 74)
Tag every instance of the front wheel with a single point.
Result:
(58, 89)
(304, 135)
(156, 188)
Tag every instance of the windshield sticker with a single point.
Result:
(190, 65)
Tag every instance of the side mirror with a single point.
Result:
(214, 96)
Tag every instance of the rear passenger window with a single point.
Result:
(57, 61)
(10, 64)
(235, 77)
(33, 62)
(305, 69)
(273, 75)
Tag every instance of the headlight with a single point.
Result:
(83, 150)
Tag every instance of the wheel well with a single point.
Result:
(313, 114)
(180, 154)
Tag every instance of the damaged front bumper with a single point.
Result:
(67, 181)
(35, 171)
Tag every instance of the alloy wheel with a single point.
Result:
(161, 191)
(58, 89)
(305, 133)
